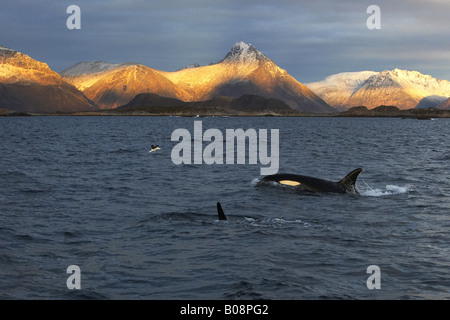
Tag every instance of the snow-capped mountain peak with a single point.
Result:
(402, 88)
(337, 88)
(244, 53)
(348, 81)
(418, 84)
(88, 68)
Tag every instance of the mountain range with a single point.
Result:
(244, 70)
(28, 85)
(400, 88)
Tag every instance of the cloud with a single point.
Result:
(310, 39)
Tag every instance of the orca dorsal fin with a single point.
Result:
(348, 182)
(220, 212)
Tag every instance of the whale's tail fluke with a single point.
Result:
(220, 212)
(348, 182)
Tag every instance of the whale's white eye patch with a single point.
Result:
(289, 182)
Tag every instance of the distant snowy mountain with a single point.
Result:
(401, 88)
(28, 85)
(338, 88)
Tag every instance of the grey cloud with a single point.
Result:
(310, 39)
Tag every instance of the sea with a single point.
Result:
(87, 212)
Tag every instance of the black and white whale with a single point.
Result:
(220, 212)
(345, 185)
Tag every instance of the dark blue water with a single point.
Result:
(85, 191)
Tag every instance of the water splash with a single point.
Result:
(388, 190)
(255, 181)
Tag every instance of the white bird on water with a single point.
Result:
(154, 148)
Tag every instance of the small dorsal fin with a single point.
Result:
(220, 212)
(349, 180)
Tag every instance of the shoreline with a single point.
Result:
(356, 112)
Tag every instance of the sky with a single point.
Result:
(310, 39)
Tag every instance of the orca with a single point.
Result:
(311, 184)
(220, 212)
